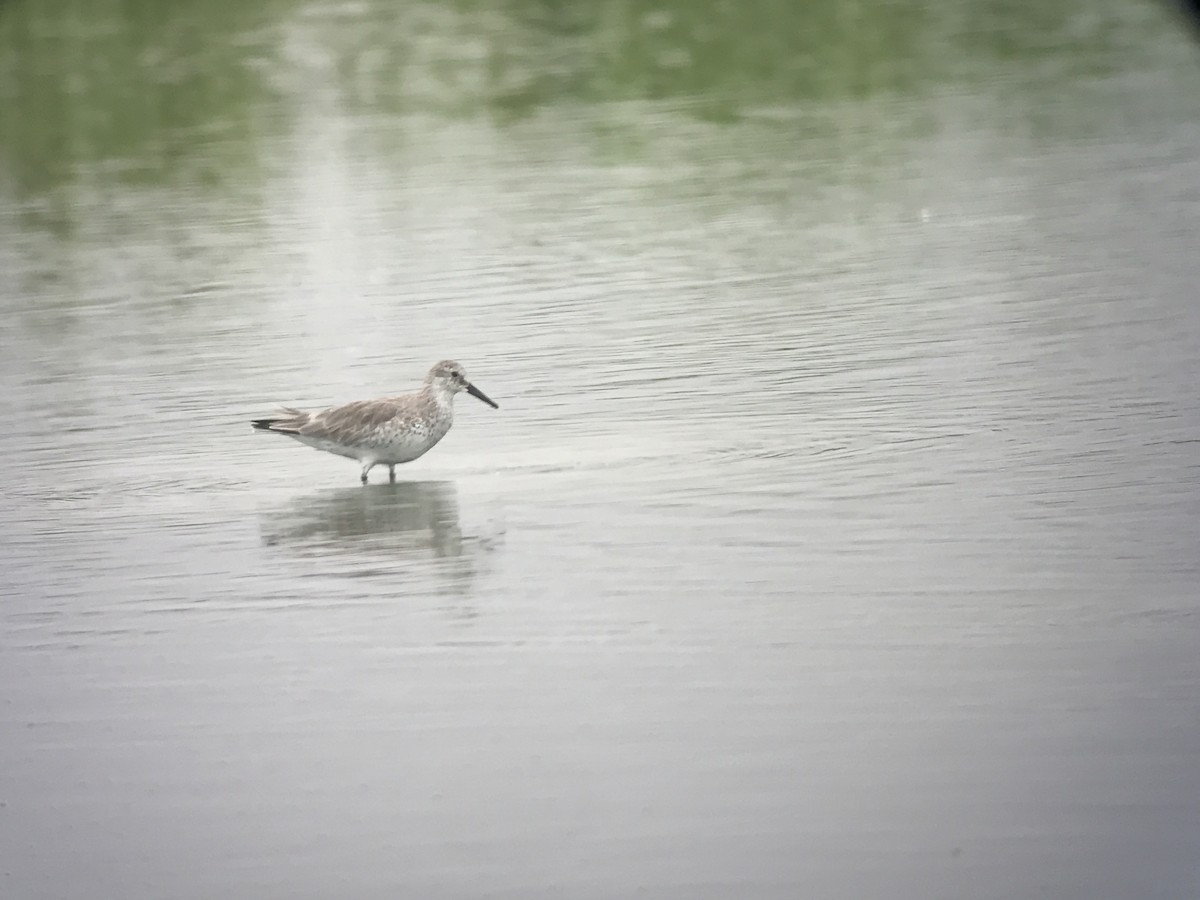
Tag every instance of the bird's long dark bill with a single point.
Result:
(476, 392)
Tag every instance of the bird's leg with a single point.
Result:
(392, 473)
(367, 466)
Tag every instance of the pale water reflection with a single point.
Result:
(408, 519)
(836, 536)
(406, 534)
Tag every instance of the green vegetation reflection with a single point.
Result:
(128, 83)
(156, 91)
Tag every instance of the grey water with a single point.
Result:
(837, 534)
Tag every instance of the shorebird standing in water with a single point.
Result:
(384, 432)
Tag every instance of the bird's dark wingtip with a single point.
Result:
(273, 426)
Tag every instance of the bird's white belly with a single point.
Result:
(386, 446)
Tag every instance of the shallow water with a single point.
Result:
(836, 535)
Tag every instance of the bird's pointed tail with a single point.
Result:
(290, 422)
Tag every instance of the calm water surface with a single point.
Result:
(836, 536)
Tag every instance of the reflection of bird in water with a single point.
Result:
(388, 431)
(411, 519)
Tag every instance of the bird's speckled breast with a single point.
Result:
(402, 440)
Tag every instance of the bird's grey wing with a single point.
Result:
(348, 423)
